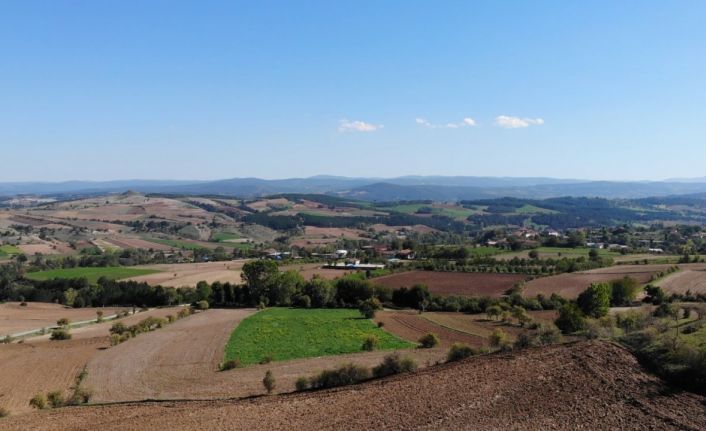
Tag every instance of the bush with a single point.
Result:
(7, 340)
(4, 412)
(269, 382)
(302, 384)
(570, 319)
(118, 328)
(184, 312)
(170, 318)
(38, 401)
(60, 334)
(394, 364)
(80, 396)
(428, 341)
(524, 340)
(548, 334)
(202, 305)
(499, 340)
(115, 339)
(370, 343)
(267, 359)
(63, 322)
(55, 399)
(345, 375)
(229, 365)
(595, 301)
(369, 307)
(460, 351)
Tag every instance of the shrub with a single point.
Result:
(115, 339)
(370, 343)
(493, 312)
(202, 305)
(80, 396)
(63, 322)
(60, 334)
(269, 382)
(118, 328)
(499, 340)
(460, 351)
(267, 358)
(549, 334)
(302, 384)
(345, 375)
(229, 365)
(55, 399)
(381, 324)
(368, 307)
(170, 318)
(38, 401)
(99, 316)
(4, 412)
(570, 319)
(524, 340)
(428, 341)
(184, 312)
(8, 339)
(394, 364)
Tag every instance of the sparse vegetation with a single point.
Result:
(460, 351)
(268, 382)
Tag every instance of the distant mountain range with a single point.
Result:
(437, 188)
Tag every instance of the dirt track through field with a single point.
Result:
(588, 386)
(166, 363)
(181, 362)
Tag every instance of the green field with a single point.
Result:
(9, 250)
(224, 236)
(557, 253)
(286, 333)
(531, 209)
(91, 274)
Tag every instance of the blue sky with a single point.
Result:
(205, 90)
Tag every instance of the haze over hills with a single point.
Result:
(440, 188)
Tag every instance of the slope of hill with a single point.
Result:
(586, 385)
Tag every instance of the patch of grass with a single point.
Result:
(284, 333)
(91, 274)
(531, 209)
(483, 251)
(224, 236)
(9, 250)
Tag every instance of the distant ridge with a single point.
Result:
(439, 188)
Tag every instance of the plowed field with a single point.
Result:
(454, 283)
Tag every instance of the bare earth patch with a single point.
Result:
(588, 385)
(188, 274)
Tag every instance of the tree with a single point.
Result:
(69, 297)
(595, 301)
(623, 291)
(369, 307)
(428, 341)
(655, 294)
(269, 382)
(570, 318)
(521, 315)
(493, 311)
(258, 275)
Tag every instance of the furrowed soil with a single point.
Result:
(15, 318)
(454, 283)
(41, 365)
(189, 274)
(181, 361)
(570, 285)
(693, 280)
(587, 385)
(410, 325)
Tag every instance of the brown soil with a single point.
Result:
(587, 385)
(181, 361)
(411, 326)
(309, 270)
(188, 274)
(570, 285)
(36, 315)
(126, 242)
(454, 283)
(693, 280)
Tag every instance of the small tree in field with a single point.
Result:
(38, 401)
(63, 322)
(369, 307)
(493, 312)
(269, 382)
(370, 343)
(428, 341)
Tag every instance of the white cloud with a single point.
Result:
(509, 122)
(357, 126)
(466, 122)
